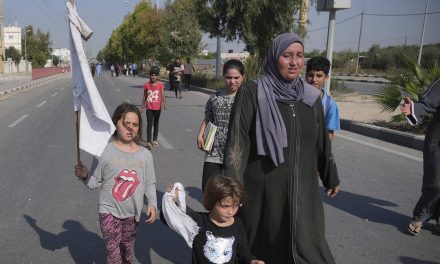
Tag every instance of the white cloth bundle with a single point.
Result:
(175, 214)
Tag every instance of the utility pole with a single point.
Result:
(218, 62)
(2, 48)
(303, 17)
(359, 42)
(423, 34)
(329, 51)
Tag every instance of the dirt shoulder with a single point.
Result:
(361, 108)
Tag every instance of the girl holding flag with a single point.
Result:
(124, 175)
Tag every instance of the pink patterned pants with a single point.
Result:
(119, 237)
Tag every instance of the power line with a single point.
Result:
(342, 21)
(409, 14)
(373, 14)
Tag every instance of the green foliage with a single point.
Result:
(38, 44)
(145, 34)
(252, 67)
(13, 53)
(413, 84)
(180, 34)
(255, 22)
(314, 53)
(56, 60)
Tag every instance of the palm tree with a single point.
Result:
(413, 84)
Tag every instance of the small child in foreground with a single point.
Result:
(216, 236)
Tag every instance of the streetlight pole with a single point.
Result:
(25, 48)
(423, 35)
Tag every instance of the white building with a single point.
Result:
(241, 56)
(63, 54)
(12, 37)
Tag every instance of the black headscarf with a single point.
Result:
(271, 87)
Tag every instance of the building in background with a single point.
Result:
(12, 37)
(63, 54)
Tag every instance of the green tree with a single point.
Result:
(413, 84)
(314, 53)
(38, 44)
(56, 60)
(13, 53)
(145, 34)
(180, 34)
(255, 22)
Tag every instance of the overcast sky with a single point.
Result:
(387, 22)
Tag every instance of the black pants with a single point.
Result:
(177, 87)
(210, 169)
(152, 120)
(187, 78)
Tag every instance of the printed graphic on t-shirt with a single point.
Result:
(126, 183)
(218, 250)
(153, 96)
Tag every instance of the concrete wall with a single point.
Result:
(10, 67)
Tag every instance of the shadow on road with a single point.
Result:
(410, 260)
(195, 193)
(369, 208)
(84, 246)
(162, 240)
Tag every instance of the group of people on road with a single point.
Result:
(260, 180)
(129, 69)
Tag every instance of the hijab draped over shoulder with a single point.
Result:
(271, 87)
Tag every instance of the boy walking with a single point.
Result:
(316, 75)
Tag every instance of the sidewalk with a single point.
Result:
(16, 82)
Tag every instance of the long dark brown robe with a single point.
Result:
(283, 213)
(428, 206)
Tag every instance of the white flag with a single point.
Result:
(96, 126)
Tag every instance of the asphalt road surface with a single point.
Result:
(48, 216)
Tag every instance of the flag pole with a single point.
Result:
(77, 114)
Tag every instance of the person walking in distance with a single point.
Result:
(189, 71)
(124, 175)
(177, 74)
(153, 100)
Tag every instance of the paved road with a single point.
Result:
(363, 87)
(50, 217)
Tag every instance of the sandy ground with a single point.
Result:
(361, 108)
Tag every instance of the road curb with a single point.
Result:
(29, 85)
(385, 134)
(357, 80)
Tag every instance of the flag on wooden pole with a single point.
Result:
(96, 126)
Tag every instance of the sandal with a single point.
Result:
(155, 143)
(149, 146)
(414, 227)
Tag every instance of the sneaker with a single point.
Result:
(155, 143)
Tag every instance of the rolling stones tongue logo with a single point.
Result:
(126, 183)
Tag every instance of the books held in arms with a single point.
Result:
(209, 136)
